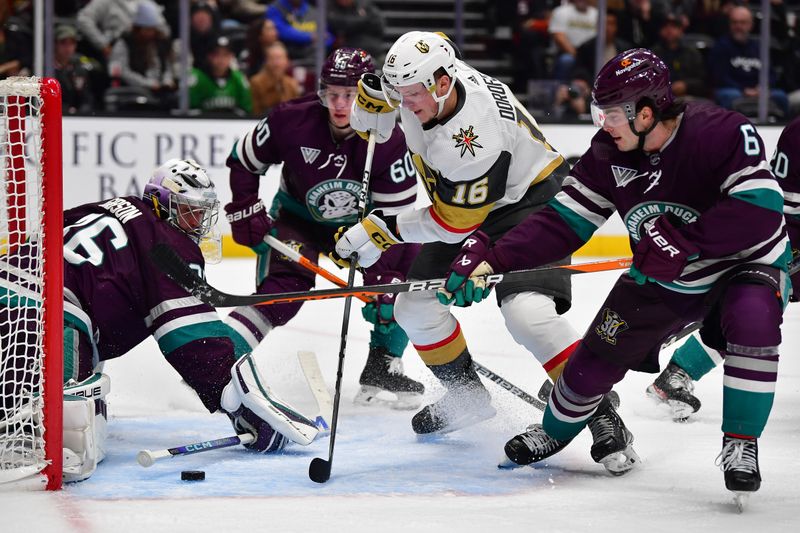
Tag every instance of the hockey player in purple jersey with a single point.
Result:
(323, 163)
(693, 359)
(115, 297)
(705, 218)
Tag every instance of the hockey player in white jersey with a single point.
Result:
(485, 166)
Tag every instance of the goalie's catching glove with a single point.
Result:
(662, 253)
(463, 286)
(368, 239)
(371, 111)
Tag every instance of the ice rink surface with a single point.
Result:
(385, 478)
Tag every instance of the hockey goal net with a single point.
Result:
(31, 282)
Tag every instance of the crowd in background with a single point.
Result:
(249, 55)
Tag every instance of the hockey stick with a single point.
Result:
(148, 457)
(310, 366)
(510, 387)
(297, 257)
(319, 470)
(166, 259)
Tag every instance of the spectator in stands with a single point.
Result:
(143, 57)
(571, 102)
(16, 55)
(272, 84)
(686, 67)
(585, 58)
(260, 35)
(638, 23)
(296, 22)
(203, 29)
(357, 24)
(529, 21)
(73, 72)
(735, 66)
(571, 25)
(245, 11)
(219, 87)
(103, 22)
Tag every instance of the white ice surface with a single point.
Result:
(386, 479)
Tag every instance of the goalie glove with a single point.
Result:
(463, 287)
(254, 408)
(368, 239)
(662, 253)
(370, 110)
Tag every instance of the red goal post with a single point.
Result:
(31, 282)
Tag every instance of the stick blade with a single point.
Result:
(319, 471)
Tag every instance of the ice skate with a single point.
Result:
(530, 447)
(674, 387)
(465, 403)
(739, 461)
(384, 373)
(460, 407)
(613, 442)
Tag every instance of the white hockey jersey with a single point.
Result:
(484, 156)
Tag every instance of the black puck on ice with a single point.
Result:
(193, 475)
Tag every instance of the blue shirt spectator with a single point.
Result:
(296, 22)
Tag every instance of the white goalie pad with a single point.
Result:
(85, 426)
(252, 391)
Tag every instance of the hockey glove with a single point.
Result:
(249, 222)
(254, 408)
(371, 111)
(662, 253)
(267, 440)
(368, 239)
(381, 311)
(463, 287)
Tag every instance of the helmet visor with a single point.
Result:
(613, 116)
(333, 94)
(405, 95)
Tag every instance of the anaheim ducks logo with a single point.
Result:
(423, 47)
(467, 140)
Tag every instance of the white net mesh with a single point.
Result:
(21, 280)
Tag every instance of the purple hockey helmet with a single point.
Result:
(345, 66)
(626, 79)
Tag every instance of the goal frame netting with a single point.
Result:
(32, 198)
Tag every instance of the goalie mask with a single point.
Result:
(181, 193)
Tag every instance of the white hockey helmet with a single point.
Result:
(414, 58)
(181, 193)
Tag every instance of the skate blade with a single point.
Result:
(680, 410)
(622, 462)
(369, 396)
(507, 464)
(740, 500)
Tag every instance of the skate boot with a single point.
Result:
(739, 461)
(674, 387)
(384, 372)
(612, 445)
(465, 403)
(531, 447)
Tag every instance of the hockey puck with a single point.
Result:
(193, 475)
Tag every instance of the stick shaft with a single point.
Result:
(507, 385)
(148, 457)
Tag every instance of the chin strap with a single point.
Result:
(643, 134)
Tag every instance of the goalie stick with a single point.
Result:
(166, 259)
(147, 458)
(310, 367)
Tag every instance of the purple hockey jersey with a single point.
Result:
(786, 167)
(117, 295)
(321, 178)
(711, 178)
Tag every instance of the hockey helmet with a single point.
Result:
(345, 66)
(414, 58)
(181, 193)
(624, 81)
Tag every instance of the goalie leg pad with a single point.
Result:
(248, 388)
(85, 426)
